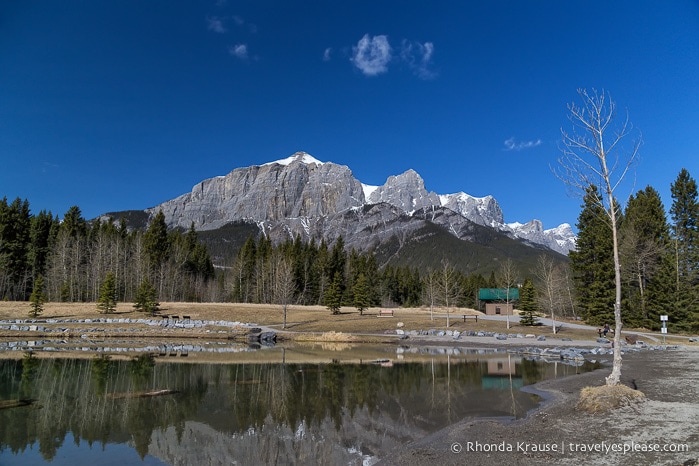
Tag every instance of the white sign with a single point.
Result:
(663, 330)
(663, 318)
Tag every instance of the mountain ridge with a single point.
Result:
(302, 195)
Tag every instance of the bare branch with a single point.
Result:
(595, 158)
(592, 152)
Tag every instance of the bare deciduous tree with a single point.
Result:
(430, 290)
(594, 154)
(507, 279)
(284, 285)
(448, 286)
(551, 286)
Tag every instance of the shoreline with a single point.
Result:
(665, 420)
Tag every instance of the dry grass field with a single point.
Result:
(303, 322)
(300, 319)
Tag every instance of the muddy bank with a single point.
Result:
(660, 431)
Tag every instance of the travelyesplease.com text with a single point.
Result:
(568, 447)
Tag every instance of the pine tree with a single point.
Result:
(145, 300)
(156, 241)
(644, 240)
(593, 262)
(333, 296)
(336, 265)
(528, 303)
(14, 247)
(43, 233)
(74, 223)
(361, 294)
(37, 298)
(685, 231)
(107, 299)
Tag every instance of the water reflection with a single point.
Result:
(253, 413)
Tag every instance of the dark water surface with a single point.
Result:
(106, 411)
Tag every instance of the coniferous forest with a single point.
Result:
(76, 260)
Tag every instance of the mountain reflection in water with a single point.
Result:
(249, 413)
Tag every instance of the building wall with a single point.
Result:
(492, 309)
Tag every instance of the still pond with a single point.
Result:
(292, 406)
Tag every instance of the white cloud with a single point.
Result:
(372, 54)
(512, 144)
(239, 51)
(419, 57)
(326, 54)
(216, 25)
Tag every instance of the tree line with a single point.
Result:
(659, 259)
(72, 258)
(315, 273)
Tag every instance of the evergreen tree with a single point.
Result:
(43, 232)
(145, 300)
(74, 223)
(685, 231)
(336, 265)
(333, 296)
(156, 246)
(361, 294)
(156, 241)
(644, 240)
(528, 303)
(322, 256)
(107, 299)
(37, 298)
(592, 262)
(245, 271)
(15, 273)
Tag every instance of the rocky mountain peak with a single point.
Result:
(298, 157)
(482, 210)
(405, 191)
(297, 186)
(302, 195)
(560, 239)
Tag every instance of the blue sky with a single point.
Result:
(125, 104)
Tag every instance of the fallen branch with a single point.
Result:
(141, 394)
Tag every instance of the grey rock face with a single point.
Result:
(271, 193)
(560, 239)
(406, 191)
(301, 195)
(483, 211)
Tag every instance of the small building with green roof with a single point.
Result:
(498, 301)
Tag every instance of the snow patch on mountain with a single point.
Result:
(310, 195)
(482, 210)
(368, 189)
(560, 238)
(302, 157)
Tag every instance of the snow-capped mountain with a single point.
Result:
(302, 195)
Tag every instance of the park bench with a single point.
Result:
(385, 313)
(467, 316)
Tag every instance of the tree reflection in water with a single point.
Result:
(251, 413)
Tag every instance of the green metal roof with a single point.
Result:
(498, 294)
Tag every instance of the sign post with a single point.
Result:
(663, 330)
